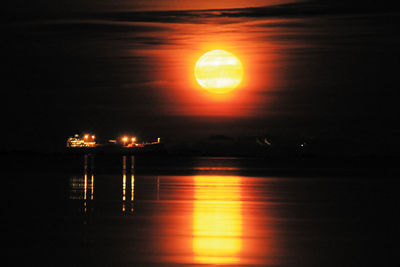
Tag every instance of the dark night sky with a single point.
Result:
(313, 69)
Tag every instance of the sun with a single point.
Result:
(218, 71)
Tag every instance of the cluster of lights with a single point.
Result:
(128, 141)
(88, 140)
(88, 136)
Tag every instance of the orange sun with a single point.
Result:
(218, 71)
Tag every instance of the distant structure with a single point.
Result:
(130, 141)
(88, 140)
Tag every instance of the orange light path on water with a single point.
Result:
(217, 220)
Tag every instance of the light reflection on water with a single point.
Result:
(214, 217)
(194, 219)
(80, 187)
(131, 191)
(217, 219)
(207, 218)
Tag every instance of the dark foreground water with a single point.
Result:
(210, 216)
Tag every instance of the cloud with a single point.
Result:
(116, 20)
(289, 10)
(90, 25)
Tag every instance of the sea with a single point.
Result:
(91, 210)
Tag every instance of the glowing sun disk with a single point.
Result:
(218, 71)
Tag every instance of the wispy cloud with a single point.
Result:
(314, 8)
(289, 10)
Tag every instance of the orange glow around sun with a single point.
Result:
(194, 75)
(218, 71)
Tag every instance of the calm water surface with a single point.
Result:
(212, 217)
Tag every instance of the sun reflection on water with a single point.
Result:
(217, 219)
